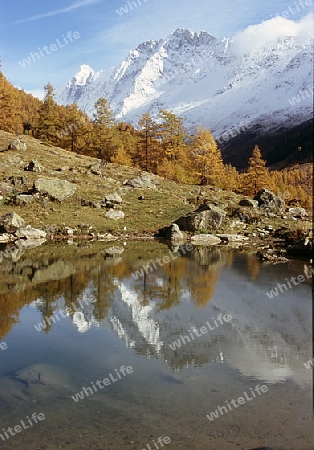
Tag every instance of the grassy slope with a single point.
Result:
(160, 208)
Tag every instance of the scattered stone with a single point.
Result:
(115, 215)
(4, 238)
(5, 189)
(90, 203)
(145, 181)
(22, 199)
(111, 200)
(248, 202)
(106, 237)
(298, 213)
(172, 233)
(206, 217)
(175, 233)
(55, 189)
(11, 222)
(34, 166)
(205, 239)
(110, 180)
(270, 256)
(70, 231)
(18, 145)
(96, 169)
(30, 233)
(267, 199)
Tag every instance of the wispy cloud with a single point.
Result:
(73, 7)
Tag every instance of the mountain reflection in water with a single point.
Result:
(266, 339)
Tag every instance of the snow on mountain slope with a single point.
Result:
(255, 77)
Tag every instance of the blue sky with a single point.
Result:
(107, 37)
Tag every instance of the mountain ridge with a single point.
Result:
(211, 82)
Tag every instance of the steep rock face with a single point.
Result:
(208, 81)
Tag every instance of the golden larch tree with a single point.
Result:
(207, 163)
(257, 176)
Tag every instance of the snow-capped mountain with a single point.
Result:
(257, 77)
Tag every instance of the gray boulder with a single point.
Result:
(96, 169)
(175, 233)
(4, 238)
(10, 223)
(34, 166)
(205, 239)
(297, 212)
(55, 189)
(30, 233)
(17, 144)
(206, 217)
(172, 233)
(5, 189)
(23, 200)
(114, 214)
(145, 181)
(267, 199)
(112, 199)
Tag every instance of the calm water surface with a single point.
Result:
(105, 319)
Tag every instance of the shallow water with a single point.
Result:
(113, 320)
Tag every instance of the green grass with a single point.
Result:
(161, 207)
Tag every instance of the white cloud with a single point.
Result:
(73, 7)
(256, 36)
